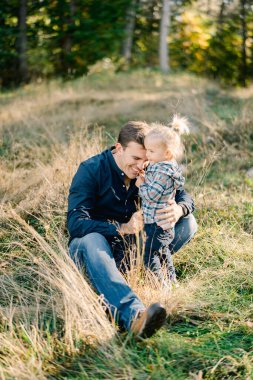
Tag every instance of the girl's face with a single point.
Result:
(156, 150)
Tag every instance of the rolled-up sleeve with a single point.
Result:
(184, 199)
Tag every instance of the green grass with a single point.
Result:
(175, 352)
(47, 131)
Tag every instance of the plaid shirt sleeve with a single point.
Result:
(153, 191)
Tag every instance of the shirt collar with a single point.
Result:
(113, 163)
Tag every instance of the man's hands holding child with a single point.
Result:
(168, 216)
(134, 225)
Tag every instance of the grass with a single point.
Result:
(52, 324)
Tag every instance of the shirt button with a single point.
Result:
(124, 186)
(122, 173)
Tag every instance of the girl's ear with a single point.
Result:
(169, 155)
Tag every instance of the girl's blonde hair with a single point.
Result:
(170, 135)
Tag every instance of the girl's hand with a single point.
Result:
(140, 180)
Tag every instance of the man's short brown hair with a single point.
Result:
(133, 131)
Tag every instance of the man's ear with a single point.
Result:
(119, 148)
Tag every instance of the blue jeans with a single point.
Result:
(157, 250)
(102, 259)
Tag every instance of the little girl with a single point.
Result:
(162, 178)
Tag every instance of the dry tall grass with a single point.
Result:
(47, 308)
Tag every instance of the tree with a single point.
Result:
(221, 14)
(129, 32)
(22, 42)
(67, 37)
(163, 45)
(82, 32)
(64, 37)
(244, 38)
(8, 32)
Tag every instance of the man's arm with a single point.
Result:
(81, 200)
(79, 224)
(182, 198)
(181, 206)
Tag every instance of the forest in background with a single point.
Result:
(47, 38)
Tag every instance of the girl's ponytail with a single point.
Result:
(180, 125)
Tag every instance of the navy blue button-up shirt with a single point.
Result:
(99, 200)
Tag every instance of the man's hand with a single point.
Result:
(168, 217)
(134, 225)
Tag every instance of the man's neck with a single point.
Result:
(127, 181)
(116, 157)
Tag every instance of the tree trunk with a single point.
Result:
(67, 38)
(251, 66)
(208, 7)
(221, 15)
(164, 29)
(244, 38)
(129, 31)
(21, 44)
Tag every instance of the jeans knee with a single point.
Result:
(87, 248)
(94, 239)
(185, 229)
(193, 226)
(88, 241)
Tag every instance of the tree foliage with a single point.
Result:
(64, 37)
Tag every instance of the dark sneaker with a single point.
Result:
(148, 321)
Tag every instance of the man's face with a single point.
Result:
(132, 159)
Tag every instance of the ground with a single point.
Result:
(52, 325)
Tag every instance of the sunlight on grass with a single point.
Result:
(51, 322)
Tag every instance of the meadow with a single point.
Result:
(52, 324)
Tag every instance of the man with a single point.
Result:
(102, 213)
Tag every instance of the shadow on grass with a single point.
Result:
(180, 349)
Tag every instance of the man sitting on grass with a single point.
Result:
(102, 216)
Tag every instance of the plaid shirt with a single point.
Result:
(161, 181)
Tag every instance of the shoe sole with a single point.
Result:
(156, 317)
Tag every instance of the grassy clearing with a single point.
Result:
(52, 325)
